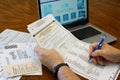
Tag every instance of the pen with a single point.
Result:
(98, 46)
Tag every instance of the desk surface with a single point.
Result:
(17, 14)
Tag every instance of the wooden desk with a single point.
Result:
(17, 14)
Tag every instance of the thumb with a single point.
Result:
(97, 53)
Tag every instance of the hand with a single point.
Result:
(49, 57)
(106, 52)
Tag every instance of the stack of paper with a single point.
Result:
(17, 55)
(50, 34)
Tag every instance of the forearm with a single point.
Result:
(54, 62)
(113, 54)
(117, 55)
(65, 73)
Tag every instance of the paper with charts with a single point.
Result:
(19, 59)
(25, 43)
(51, 34)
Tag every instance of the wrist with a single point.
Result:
(55, 64)
(58, 67)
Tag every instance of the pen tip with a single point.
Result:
(90, 60)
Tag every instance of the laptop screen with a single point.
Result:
(67, 12)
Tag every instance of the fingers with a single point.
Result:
(95, 60)
(99, 60)
(92, 47)
(37, 48)
(40, 50)
(96, 53)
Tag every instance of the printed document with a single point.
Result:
(9, 36)
(51, 34)
(19, 59)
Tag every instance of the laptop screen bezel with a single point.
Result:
(82, 22)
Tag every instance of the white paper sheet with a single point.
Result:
(50, 34)
(13, 36)
(19, 54)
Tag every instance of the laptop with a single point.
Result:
(73, 15)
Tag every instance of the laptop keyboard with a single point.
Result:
(85, 33)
